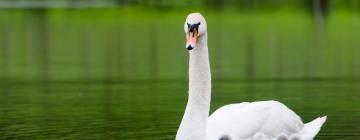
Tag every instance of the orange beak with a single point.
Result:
(191, 40)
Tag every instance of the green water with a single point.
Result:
(153, 109)
(117, 44)
(121, 74)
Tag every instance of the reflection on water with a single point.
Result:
(77, 74)
(66, 45)
(153, 109)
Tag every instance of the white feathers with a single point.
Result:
(264, 120)
(310, 130)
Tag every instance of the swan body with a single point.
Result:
(260, 120)
(263, 120)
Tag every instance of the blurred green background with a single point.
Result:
(117, 69)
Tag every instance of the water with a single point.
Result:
(121, 74)
(153, 109)
(61, 44)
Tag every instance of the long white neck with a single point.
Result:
(193, 124)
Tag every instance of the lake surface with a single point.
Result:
(153, 109)
(121, 73)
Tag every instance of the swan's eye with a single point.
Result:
(198, 24)
(189, 25)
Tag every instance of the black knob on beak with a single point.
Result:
(189, 47)
(193, 27)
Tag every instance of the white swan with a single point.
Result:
(263, 120)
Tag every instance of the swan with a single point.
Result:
(262, 120)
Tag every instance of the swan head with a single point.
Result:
(194, 27)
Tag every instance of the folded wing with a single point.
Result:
(245, 120)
